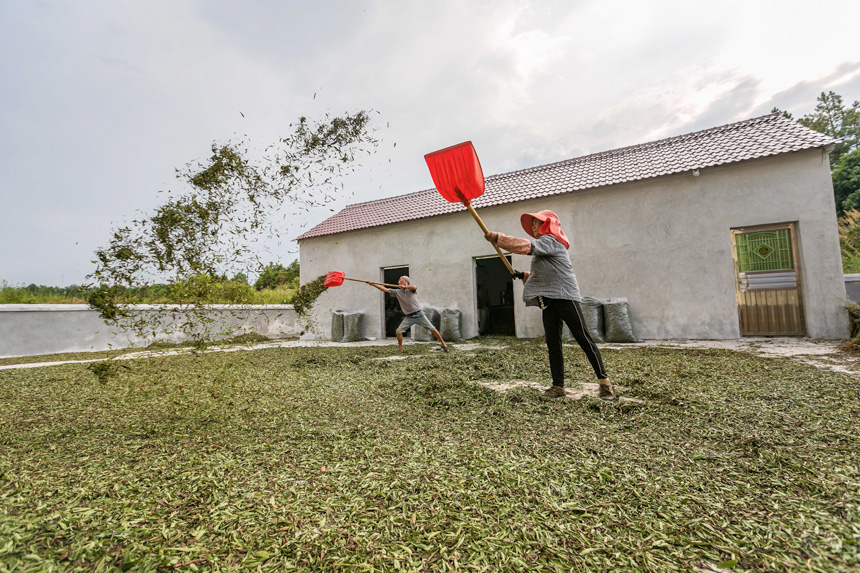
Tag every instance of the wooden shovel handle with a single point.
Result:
(484, 228)
(371, 282)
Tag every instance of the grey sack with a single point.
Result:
(592, 314)
(337, 326)
(353, 327)
(450, 325)
(616, 316)
(424, 335)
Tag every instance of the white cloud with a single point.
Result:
(103, 99)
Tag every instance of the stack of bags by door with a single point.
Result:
(347, 326)
(607, 320)
(446, 321)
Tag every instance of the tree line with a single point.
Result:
(276, 284)
(839, 120)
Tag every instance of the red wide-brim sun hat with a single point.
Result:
(550, 225)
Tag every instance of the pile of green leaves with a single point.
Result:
(323, 459)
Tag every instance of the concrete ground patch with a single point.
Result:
(573, 393)
(824, 354)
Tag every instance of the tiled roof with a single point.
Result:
(751, 139)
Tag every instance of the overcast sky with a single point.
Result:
(100, 100)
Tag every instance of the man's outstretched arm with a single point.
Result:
(382, 288)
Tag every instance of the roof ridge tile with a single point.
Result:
(757, 137)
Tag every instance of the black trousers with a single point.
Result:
(555, 313)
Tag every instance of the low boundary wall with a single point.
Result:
(33, 329)
(852, 287)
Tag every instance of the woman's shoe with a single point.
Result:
(554, 392)
(606, 392)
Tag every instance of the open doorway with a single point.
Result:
(391, 308)
(494, 289)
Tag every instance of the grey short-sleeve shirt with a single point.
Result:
(551, 273)
(407, 298)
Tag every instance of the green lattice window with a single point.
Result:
(765, 251)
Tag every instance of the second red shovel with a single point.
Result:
(336, 278)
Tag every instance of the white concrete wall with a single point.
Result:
(664, 244)
(34, 329)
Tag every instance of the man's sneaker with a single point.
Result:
(606, 392)
(554, 392)
(446, 350)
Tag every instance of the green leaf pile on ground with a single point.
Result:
(327, 459)
(100, 354)
(247, 339)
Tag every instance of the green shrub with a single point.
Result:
(277, 275)
(849, 241)
(199, 289)
(41, 294)
(853, 343)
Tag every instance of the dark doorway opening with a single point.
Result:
(495, 292)
(393, 314)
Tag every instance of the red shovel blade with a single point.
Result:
(457, 173)
(333, 279)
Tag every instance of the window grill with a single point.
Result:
(765, 251)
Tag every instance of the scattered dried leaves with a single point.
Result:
(329, 460)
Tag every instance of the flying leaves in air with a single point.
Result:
(230, 203)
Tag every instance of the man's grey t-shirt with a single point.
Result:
(551, 273)
(408, 300)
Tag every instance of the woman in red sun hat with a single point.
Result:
(551, 285)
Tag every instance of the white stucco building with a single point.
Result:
(717, 234)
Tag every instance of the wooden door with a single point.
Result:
(769, 295)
